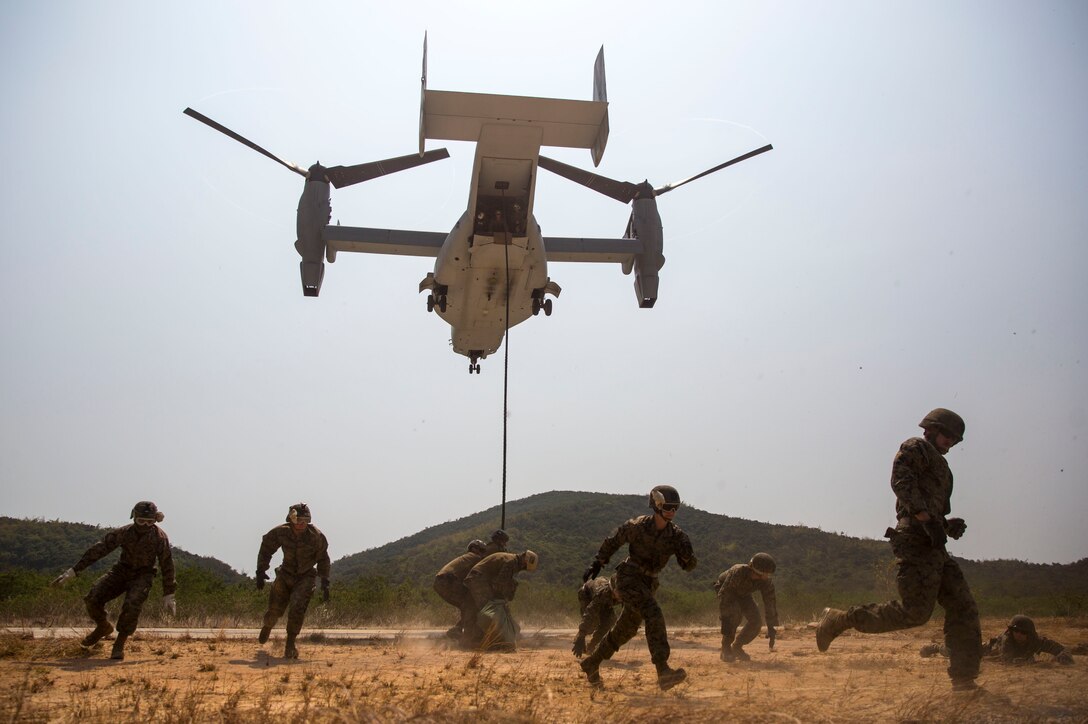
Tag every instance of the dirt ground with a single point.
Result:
(862, 678)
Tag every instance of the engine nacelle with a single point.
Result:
(646, 227)
(314, 212)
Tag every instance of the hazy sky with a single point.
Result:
(918, 238)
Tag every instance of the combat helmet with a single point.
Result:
(664, 495)
(477, 546)
(1023, 624)
(531, 560)
(500, 536)
(299, 512)
(945, 422)
(146, 509)
(763, 562)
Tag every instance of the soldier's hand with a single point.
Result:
(324, 590)
(261, 578)
(579, 646)
(935, 530)
(592, 571)
(771, 634)
(170, 604)
(64, 577)
(956, 527)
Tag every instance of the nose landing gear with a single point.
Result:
(546, 305)
(473, 365)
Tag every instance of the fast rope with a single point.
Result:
(506, 355)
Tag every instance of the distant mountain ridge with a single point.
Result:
(565, 528)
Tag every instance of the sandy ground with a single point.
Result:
(398, 676)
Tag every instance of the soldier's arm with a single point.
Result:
(770, 603)
(166, 565)
(612, 543)
(908, 461)
(270, 543)
(685, 553)
(99, 550)
(323, 562)
(1050, 646)
(591, 618)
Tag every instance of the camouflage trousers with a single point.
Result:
(636, 591)
(290, 593)
(927, 576)
(114, 583)
(732, 609)
(604, 625)
(453, 591)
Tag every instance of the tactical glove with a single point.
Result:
(592, 571)
(935, 530)
(261, 578)
(955, 527)
(170, 604)
(770, 637)
(579, 646)
(64, 577)
(324, 590)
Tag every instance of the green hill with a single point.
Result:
(815, 568)
(51, 546)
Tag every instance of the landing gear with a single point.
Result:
(473, 368)
(437, 299)
(547, 307)
(473, 364)
(545, 304)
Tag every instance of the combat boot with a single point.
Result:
(591, 665)
(739, 653)
(727, 655)
(668, 678)
(100, 632)
(964, 685)
(289, 650)
(262, 637)
(831, 625)
(929, 650)
(119, 647)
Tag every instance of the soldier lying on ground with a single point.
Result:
(1017, 645)
(142, 543)
(449, 583)
(305, 559)
(597, 599)
(735, 588)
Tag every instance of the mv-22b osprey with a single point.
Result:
(491, 270)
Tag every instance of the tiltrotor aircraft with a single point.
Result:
(491, 269)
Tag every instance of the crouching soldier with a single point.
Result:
(1017, 645)
(498, 542)
(735, 588)
(449, 583)
(597, 599)
(651, 540)
(142, 543)
(492, 578)
(305, 559)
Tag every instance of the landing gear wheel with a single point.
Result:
(547, 307)
(536, 306)
(477, 368)
(430, 302)
(442, 303)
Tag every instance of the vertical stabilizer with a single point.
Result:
(600, 93)
(423, 96)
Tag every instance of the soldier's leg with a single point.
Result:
(730, 616)
(105, 589)
(279, 596)
(297, 603)
(453, 592)
(604, 625)
(962, 631)
(752, 621)
(136, 594)
(918, 579)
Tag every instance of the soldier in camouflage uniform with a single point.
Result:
(597, 599)
(651, 541)
(449, 583)
(492, 578)
(926, 575)
(498, 542)
(1017, 645)
(735, 588)
(142, 543)
(305, 559)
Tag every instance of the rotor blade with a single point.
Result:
(738, 159)
(341, 176)
(243, 140)
(622, 191)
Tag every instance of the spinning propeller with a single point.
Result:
(338, 176)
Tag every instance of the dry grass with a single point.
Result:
(862, 678)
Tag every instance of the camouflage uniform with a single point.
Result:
(305, 558)
(926, 574)
(649, 550)
(597, 603)
(132, 575)
(1009, 650)
(491, 578)
(449, 583)
(735, 588)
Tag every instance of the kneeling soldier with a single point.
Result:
(735, 588)
(492, 578)
(449, 583)
(305, 559)
(142, 543)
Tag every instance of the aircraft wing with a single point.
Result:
(620, 251)
(381, 241)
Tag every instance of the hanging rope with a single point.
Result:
(506, 356)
